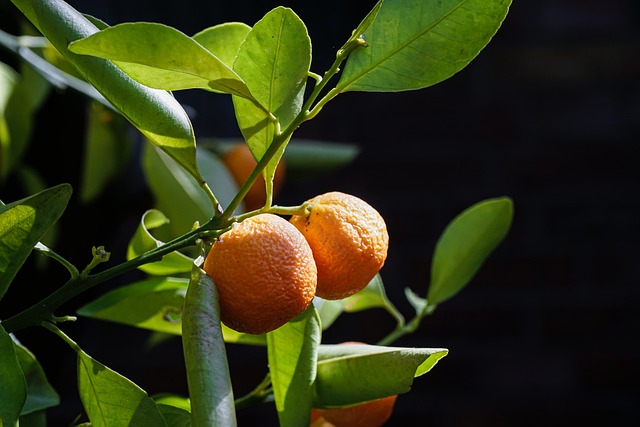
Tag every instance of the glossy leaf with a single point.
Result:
(292, 351)
(155, 113)
(40, 394)
(353, 373)
(22, 224)
(274, 60)
(465, 244)
(209, 381)
(107, 150)
(13, 392)
(143, 241)
(223, 40)
(155, 304)
(113, 400)
(174, 400)
(415, 44)
(161, 57)
(178, 195)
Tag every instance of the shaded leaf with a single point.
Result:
(155, 304)
(111, 399)
(354, 373)
(22, 224)
(209, 381)
(292, 350)
(371, 296)
(40, 394)
(13, 392)
(174, 417)
(143, 241)
(223, 40)
(274, 60)
(419, 304)
(465, 244)
(161, 57)
(415, 44)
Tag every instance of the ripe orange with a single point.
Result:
(369, 414)
(265, 274)
(349, 241)
(241, 163)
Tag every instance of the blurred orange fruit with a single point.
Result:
(240, 162)
(374, 413)
(264, 271)
(349, 241)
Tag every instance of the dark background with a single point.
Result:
(547, 114)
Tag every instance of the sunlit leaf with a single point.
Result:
(13, 392)
(143, 241)
(156, 113)
(113, 400)
(209, 381)
(8, 81)
(40, 393)
(155, 304)
(274, 60)
(107, 151)
(465, 244)
(161, 57)
(419, 304)
(223, 40)
(415, 44)
(328, 310)
(353, 373)
(22, 224)
(292, 350)
(174, 400)
(235, 337)
(372, 296)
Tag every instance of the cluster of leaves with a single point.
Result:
(129, 71)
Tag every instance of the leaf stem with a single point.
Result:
(53, 328)
(261, 394)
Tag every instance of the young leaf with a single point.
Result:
(161, 57)
(354, 373)
(154, 304)
(13, 392)
(178, 195)
(40, 394)
(465, 244)
(156, 113)
(223, 40)
(111, 399)
(415, 44)
(209, 382)
(274, 61)
(292, 351)
(142, 242)
(22, 224)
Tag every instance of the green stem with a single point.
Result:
(261, 394)
(406, 329)
(53, 328)
(44, 310)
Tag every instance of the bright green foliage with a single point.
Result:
(212, 403)
(223, 40)
(13, 392)
(111, 399)
(465, 244)
(292, 351)
(22, 224)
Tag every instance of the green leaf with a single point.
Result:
(274, 61)
(419, 304)
(413, 44)
(22, 224)
(40, 394)
(328, 310)
(155, 113)
(111, 399)
(8, 81)
(142, 242)
(223, 40)
(209, 382)
(155, 304)
(161, 57)
(372, 296)
(174, 400)
(13, 392)
(307, 158)
(465, 244)
(354, 373)
(175, 417)
(292, 351)
(178, 195)
(107, 150)
(235, 337)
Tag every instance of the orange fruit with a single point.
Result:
(240, 162)
(264, 271)
(368, 414)
(349, 241)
